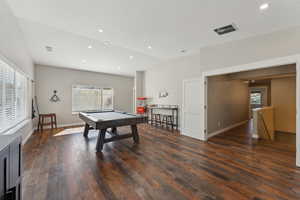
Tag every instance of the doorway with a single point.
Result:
(258, 98)
(257, 95)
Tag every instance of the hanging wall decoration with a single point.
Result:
(163, 94)
(54, 97)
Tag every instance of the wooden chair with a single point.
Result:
(42, 122)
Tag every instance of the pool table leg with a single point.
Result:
(100, 140)
(135, 134)
(86, 130)
(114, 131)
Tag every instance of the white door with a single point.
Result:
(193, 109)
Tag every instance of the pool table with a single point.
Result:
(104, 120)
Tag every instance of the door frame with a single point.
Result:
(294, 59)
(249, 95)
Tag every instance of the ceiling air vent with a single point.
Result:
(226, 29)
(49, 49)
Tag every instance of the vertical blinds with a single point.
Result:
(12, 97)
(87, 98)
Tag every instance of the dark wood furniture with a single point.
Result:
(42, 122)
(10, 168)
(168, 114)
(157, 119)
(103, 120)
(168, 121)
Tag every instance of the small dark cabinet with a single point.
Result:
(10, 171)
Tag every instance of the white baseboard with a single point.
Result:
(24, 140)
(227, 128)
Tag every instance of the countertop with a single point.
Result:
(9, 136)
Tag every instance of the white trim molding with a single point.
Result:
(227, 129)
(297, 113)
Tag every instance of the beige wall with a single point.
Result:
(61, 79)
(227, 103)
(13, 49)
(284, 101)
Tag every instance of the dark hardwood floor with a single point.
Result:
(63, 165)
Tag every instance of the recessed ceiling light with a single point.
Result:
(264, 6)
(100, 30)
(118, 67)
(149, 47)
(130, 57)
(106, 43)
(90, 46)
(83, 61)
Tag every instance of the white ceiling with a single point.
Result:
(169, 26)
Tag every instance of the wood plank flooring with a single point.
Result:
(63, 165)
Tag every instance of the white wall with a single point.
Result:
(13, 50)
(12, 43)
(169, 75)
(264, 47)
(50, 78)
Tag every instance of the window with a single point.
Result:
(12, 97)
(107, 99)
(255, 98)
(89, 98)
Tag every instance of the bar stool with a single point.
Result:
(167, 120)
(157, 119)
(42, 122)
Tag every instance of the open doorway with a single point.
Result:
(233, 99)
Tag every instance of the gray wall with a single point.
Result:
(227, 102)
(61, 79)
(13, 49)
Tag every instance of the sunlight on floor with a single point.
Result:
(69, 131)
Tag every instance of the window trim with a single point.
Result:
(88, 86)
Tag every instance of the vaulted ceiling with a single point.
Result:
(129, 35)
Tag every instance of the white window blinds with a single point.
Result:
(12, 97)
(88, 98)
(107, 99)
